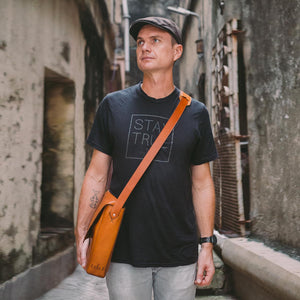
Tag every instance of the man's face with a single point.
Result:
(155, 50)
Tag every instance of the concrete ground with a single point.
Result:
(215, 298)
(81, 286)
(78, 286)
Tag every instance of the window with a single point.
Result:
(229, 120)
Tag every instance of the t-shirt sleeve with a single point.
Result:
(205, 149)
(100, 137)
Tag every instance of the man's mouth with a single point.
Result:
(147, 57)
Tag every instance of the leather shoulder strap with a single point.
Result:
(185, 100)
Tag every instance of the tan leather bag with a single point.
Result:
(106, 221)
(103, 234)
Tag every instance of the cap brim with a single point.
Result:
(136, 27)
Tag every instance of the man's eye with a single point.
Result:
(139, 43)
(156, 40)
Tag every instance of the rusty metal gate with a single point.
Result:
(227, 170)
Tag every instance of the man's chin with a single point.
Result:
(146, 69)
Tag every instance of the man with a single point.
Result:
(157, 246)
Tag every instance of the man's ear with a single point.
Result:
(178, 49)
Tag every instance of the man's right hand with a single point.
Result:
(92, 191)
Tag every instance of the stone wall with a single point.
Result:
(271, 61)
(273, 91)
(41, 43)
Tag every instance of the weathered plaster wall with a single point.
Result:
(273, 91)
(34, 35)
(271, 54)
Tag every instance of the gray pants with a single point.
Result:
(126, 282)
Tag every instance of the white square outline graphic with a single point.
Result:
(128, 137)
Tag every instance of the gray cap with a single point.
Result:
(162, 23)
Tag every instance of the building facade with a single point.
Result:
(247, 75)
(246, 71)
(57, 61)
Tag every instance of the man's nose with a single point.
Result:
(146, 46)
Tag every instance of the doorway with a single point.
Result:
(58, 152)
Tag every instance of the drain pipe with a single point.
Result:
(126, 18)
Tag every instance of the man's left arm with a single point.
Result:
(204, 205)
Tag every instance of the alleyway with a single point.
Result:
(81, 286)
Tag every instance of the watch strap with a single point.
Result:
(210, 239)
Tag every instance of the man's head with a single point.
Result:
(158, 43)
(159, 22)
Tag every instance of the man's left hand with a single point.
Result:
(206, 268)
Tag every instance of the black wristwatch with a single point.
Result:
(211, 239)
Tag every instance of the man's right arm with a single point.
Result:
(92, 191)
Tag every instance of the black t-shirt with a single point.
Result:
(159, 226)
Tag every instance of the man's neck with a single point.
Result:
(157, 86)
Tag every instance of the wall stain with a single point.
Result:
(29, 157)
(15, 262)
(3, 211)
(3, 45)
(11, 231)
(34, 144)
